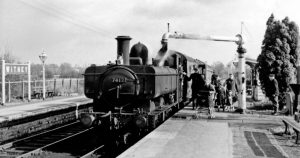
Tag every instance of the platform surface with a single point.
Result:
(10, 112)
(178, 138)
(191, 134)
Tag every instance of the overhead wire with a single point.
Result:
(64, 15)
(71, 16)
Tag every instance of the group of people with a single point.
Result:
(214, 93)
(224, 94)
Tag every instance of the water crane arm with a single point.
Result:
(237, 39)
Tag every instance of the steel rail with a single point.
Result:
(10, 144)
(38, 150)
(11, 149)
(92, 152)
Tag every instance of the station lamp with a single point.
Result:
(43, 58)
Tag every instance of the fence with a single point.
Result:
(18, 90)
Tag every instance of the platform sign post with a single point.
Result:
(3, 82)
(29, 81)
(19, 69)
(9, 91)
(23, 90)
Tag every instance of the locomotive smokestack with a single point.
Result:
(123, 48)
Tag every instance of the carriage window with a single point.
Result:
(201, 69)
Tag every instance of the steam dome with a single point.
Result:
(140, 50)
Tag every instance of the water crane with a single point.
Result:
(238, 39)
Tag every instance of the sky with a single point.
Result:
(83, 32)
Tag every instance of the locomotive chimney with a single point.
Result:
(123, 48)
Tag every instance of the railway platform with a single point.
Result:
(17, 120)
(17, 111)
(190, 134)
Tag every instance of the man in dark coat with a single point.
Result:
(214, 78)
(197, 82)
(231, 90)
(272, 92)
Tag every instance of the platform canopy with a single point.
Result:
(251, 62)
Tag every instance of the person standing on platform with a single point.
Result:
(231, 91)
(210, 90)
(214, 78)
(272, 92)
(220, 95)
(214, 81)
(197, 82)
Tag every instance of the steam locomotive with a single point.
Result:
(137, 93)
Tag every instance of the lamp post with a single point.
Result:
(43, 58)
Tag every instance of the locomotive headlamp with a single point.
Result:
(87, 119)
(141, 122)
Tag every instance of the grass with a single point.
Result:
(259, 105)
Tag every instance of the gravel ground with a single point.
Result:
(287, 142)
(272, 126)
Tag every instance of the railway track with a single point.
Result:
(71, 140)
(58, 142)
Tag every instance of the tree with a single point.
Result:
(220, 69)
(8, 55)
(279, 54)
(51, 70)
(36, 71)
(66, 70)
